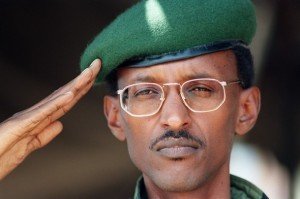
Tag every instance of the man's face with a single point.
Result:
(190, 161)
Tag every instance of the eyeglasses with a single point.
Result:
(199, 95)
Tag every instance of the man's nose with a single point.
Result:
(174, 114)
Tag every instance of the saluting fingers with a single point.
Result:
(38, 117)
(80, 82)
(78, 93)
(79, 90)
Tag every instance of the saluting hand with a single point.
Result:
(36, 126)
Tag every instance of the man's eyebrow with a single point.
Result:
(198, 75)
(144, 78)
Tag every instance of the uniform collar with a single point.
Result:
(239, 188)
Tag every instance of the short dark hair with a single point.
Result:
(245, 70)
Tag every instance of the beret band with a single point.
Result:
(181, 54)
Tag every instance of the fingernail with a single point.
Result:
(93, 62)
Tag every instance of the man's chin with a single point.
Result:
(177, 182)
(178, 187)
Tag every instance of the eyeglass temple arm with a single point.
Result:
(236, 82)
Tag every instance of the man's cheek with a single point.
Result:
(218, 130)
(138, 153)
(220, 141)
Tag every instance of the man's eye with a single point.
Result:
(146, 93)
(201, 91)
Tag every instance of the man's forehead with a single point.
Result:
(150, 76)
(217, 65)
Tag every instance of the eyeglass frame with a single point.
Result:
(222, 83)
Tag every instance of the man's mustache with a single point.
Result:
(177, 135)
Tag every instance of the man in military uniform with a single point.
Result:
(180, 75)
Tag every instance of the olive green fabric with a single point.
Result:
(155, 27)
(239, 189)
(242, 189)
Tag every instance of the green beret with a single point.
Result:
(158, 31)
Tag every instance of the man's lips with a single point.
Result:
(176, 147)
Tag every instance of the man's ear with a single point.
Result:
(249, 108)
(112, 113)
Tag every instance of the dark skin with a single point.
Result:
(204, 173)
